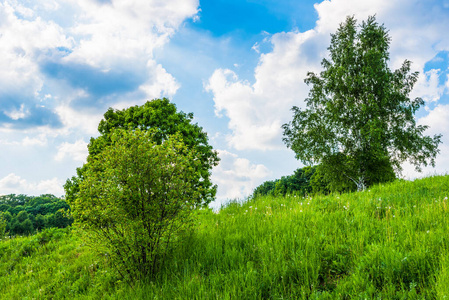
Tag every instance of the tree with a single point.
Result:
(303, 182)
(359, 122)
(162, 117)
(3, 224)
(22, 216)
(26, 227)
(39, 222)
(136, 197)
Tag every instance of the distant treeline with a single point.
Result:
(304, 181)
(23, 215)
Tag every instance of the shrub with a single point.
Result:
(136, 198)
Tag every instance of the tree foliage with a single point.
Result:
(136, 198)
(3, 223)
(164, 120)
(359, 122)
(26, 214)
(303, 181)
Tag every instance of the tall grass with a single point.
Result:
(53, 264)
(388, 242)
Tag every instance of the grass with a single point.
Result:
(389, 242)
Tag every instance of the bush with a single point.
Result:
(136, 198)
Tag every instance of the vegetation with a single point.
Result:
(136, 198)
(387, 242)
(23, 215)
(304, 181)
(162, 117)
(359, 123)
(146, 186)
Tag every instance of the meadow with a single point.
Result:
(388, 242)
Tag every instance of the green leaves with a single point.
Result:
(162, 117)
(136, 197)
(359, 118)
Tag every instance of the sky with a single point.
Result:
(238, 65)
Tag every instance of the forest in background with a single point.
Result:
(24, 215)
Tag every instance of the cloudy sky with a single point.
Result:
(238, 65)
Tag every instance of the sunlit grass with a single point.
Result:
(388, 242)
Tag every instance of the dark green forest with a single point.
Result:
(24, 215)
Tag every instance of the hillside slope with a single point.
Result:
(390, 241)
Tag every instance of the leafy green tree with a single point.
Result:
(3, 224)
(266, 188)
(4, 207)
(59, 219)
(26, 227)
(8, 218)
(303, 182)
(15, 227)
(22, 216)
(39, 222)
(359, 122)
(136, 197)
(7, 215)
(163, 118)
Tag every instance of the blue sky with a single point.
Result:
(237, 65)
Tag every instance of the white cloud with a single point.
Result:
(427, 87)
(124, 33)
(38, 140)
(16, 114)
(21, 43)
(83, 120)
(236, 177)
(76, 151)
(438, 122)
(114, 37)
(14, 184)
(257, 111)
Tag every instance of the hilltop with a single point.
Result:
(389, 241)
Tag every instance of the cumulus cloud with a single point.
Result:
(21, 43)
(236, 177)
(257, 111)
(14, 184)
(38, 140)
(428, 86)
(83, 53)
(76, 151)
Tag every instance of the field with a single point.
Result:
(388, 242)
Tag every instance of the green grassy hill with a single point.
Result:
(389, 242)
